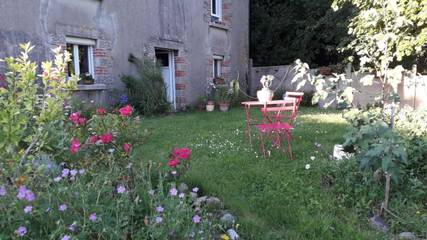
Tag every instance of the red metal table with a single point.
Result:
(249, 104)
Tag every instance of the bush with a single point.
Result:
(147, 92)
(82, 178)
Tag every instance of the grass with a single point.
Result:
(272, 199)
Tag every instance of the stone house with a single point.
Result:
(194, 40)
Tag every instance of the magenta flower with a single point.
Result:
(121, 189)
(196, 219)
(93, 217)
(159, 219)
(66, 237)
(28, 209)
(62, 207)
(159, 209)
(21, 231)
(3, 191)
(173, 192)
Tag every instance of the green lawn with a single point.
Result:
(275, 198)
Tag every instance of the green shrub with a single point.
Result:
(147, 91)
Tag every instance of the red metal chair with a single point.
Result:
(297, 95)
(277, 126)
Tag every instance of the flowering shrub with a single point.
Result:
(76, 176)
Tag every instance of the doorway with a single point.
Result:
(166, 59)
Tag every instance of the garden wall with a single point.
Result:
(414, 95)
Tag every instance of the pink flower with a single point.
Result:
(101, 111)
(93, 139)
(78, 119)
(181, 153)
(126, 111)
(173, 162)
(75, 145)
(106, 138)
(127, 147)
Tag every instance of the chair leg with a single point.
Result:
(289, 140)
(262, 145)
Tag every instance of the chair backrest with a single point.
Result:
(285, 111)
(297, 95)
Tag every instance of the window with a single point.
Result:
(81, 56)
(216, 9)
(217, 66)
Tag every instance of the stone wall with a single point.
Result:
(410, 94)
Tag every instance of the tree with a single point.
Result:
(282, 31)
(383, 32)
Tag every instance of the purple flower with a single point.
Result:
(21, 231)
(65, 172)
(30, 196)
(28, 209)
(73, 172)
(72, 227)
(82, 171)
(93, 217)
(159, 219)
(57, 179)
(121, 189)
(181, 195)
(173, 192)
(196, 219)
(24, 193)
(159, 209)
(66, 237)
(62, 207)
(3, 191)
(195, 190)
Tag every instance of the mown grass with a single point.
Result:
(275, 198)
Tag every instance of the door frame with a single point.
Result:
(172, 80)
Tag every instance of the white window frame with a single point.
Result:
(218, 14)
(75, 42)
(217, 60)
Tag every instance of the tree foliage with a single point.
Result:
(282, 31)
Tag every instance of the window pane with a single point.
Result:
(84, 59)
(70, 66)
(214, 7)
(162, 58)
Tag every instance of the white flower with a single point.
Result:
(307, 166)
(312, 158)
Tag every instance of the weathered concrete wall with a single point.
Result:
(410, 94)
(138, 27)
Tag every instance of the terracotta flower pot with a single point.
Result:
(224, 106)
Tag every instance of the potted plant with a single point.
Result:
(86, 79)
(210, 105)
(201, 103)
(265, 94)
(223, 97)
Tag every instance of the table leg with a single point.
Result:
(248, 123)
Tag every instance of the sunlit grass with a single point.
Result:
(275, 198)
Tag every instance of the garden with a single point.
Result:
(136, 171)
